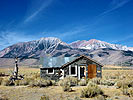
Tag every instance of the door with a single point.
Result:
(91, 71)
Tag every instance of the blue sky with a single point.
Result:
(69, 20)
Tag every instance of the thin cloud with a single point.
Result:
(63, 34)
(38, 10)
(123, 39)
(72, 32)
(8, 38)
(115, 4)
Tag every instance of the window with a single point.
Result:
(50, 71)
(73, 70)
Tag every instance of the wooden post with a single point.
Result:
(16, 68)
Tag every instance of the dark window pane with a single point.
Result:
(73, 70)
(50, 70)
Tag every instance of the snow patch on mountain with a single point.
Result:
(94, 44)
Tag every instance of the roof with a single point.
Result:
(47, 62)
(82, 56)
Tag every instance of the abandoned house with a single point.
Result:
(81, 67)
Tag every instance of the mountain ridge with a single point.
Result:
(101, 51)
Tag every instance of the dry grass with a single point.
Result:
(21, 92)
(111, 66)
(22, 70)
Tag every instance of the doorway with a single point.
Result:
(82, 71)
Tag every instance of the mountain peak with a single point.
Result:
(94, 41)
(49, 39)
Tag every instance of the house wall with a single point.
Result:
(85, 62)
(99, 71)
(45, 75)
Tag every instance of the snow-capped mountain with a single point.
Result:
(34, 48)
(130, 48)
(94, 44)
(104, 52)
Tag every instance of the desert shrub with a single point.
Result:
(84, 92)
(96, 80)
(6, 82)
(130, 84)
(99, 97)
(25, 81)
(17, 82)
(44, 83)
(87, 80)
(4, 97)
(91, 90)
(107, 82)
(77, 98)
(102, 82)
(35, 83)
(114, 77)
(32, 83)
(122, 84)
(118, 84)
(125, 91)
(53, 82)
(66, 85)
(44, 97)
(130, 91)
(67, 88)
(68, 99)
(1, 80)
(36, 75)
(2, 74)
(71, 80)
(82, 83)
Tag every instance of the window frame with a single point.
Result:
(75, 70)
(50, 72)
